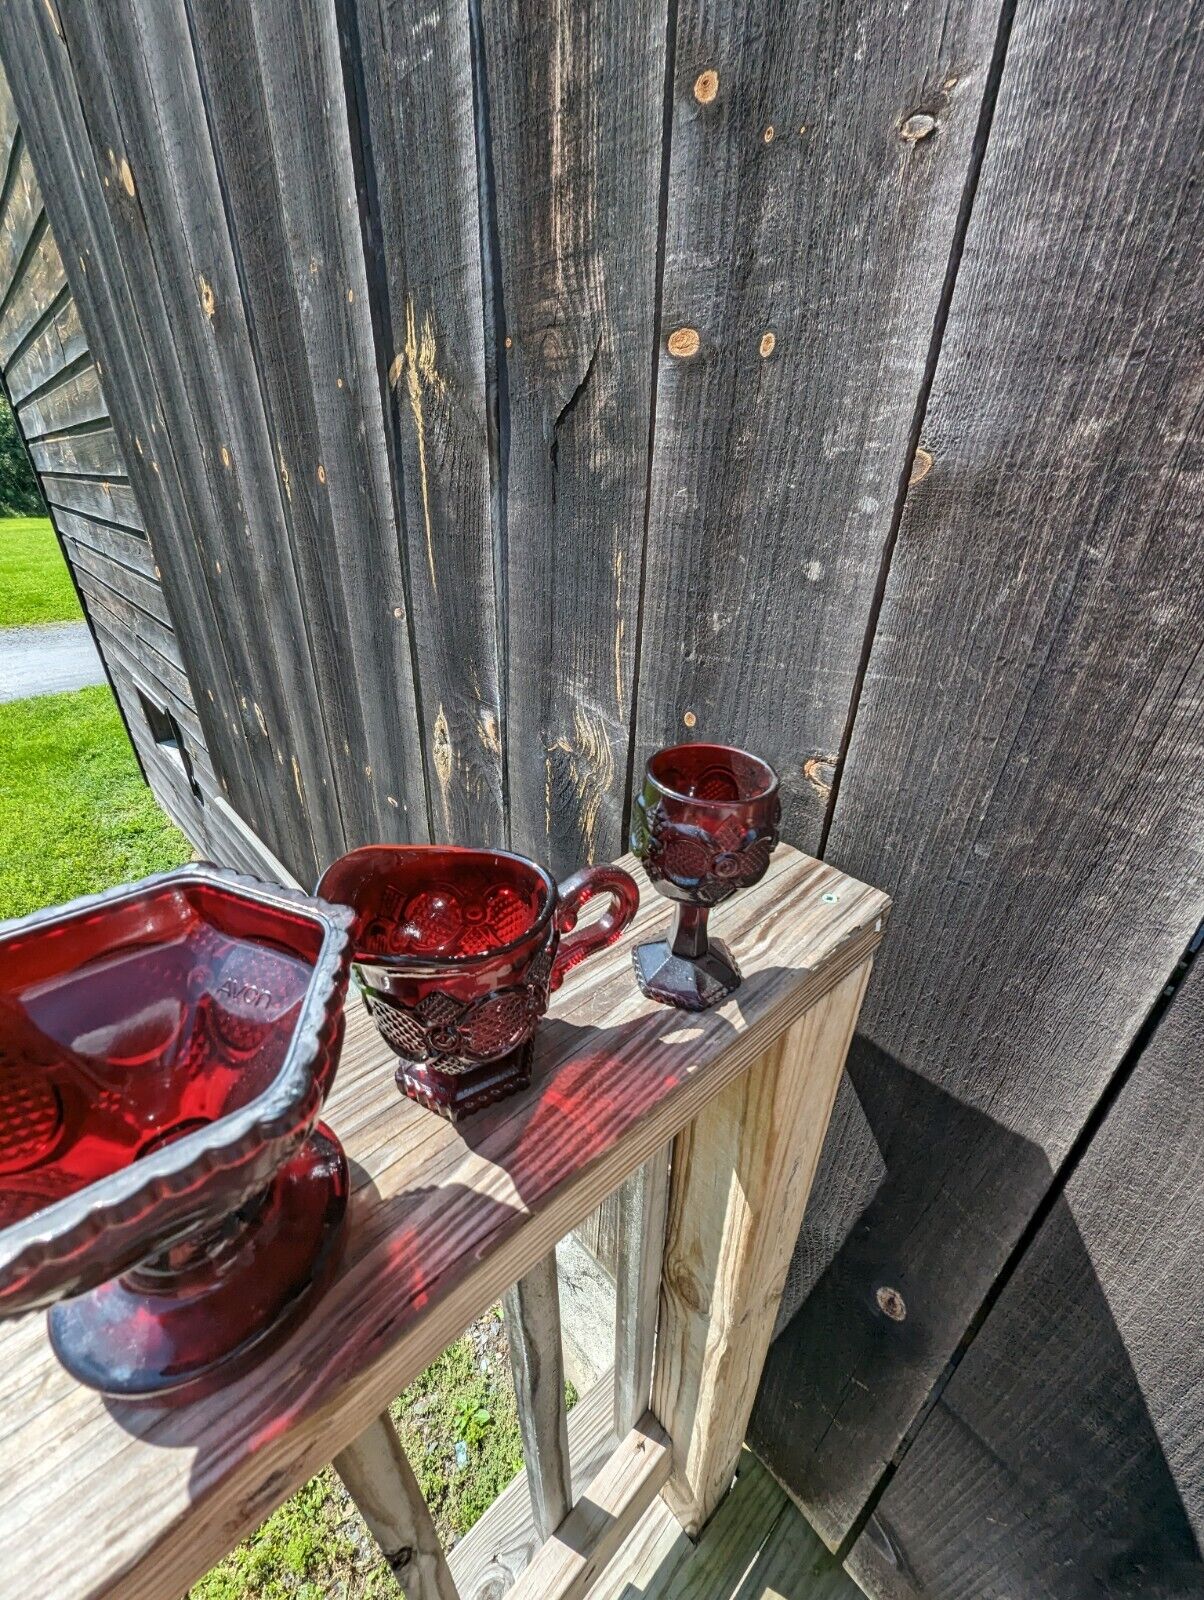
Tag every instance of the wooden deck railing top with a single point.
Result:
(139, 1501)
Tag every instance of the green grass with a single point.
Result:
(316, 1546)
(35, 585)
(75, 815)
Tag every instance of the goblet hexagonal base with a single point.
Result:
(690, 984)
(455, 1094)
(152, 1335)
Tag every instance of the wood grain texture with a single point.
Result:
(489, 1558)
(1025, 768)
(532, 1308)
(1064, 1457)
(140, 1502)
(96, 453)
(109, 500)
(806, 245)
(414, 99)
(27, 301)
(567, 1566)
(381, 1481)
(272, 81)
(741, 1175)
(575, 102)
(645, 1204)
(113, 280)
(68, 404)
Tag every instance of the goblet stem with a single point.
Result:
(688, 935)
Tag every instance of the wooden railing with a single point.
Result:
(711, 1126)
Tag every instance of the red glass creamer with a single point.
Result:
(457, 951)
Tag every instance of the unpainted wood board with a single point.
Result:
(806, 246)
(77, 399)
(658, 1561)
(22, 214)
(532, 1310)
(491, 1555)
(42, 280)
(645, 1202)
(8, 122)
(73, 124)
(576, 113)
(273, 84)
(110, 501)
(155, 96)
(414, 105)
(96, 454)
(142, 592)
(442, 1218)
(740, 1178)
(379, 1478)
(158, 677)
(60, 343)
(1064, 1457)
(116, 544)
(567, 1565)
(1025, 769)
(127, 618)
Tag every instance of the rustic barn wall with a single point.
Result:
(1024, 772)
(57, 394)
(507, 390)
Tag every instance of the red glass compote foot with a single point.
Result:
(704, 825)
(457, 951)
(164, 1051)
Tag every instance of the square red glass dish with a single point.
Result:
(165, 1049)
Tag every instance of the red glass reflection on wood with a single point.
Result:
(457, 951)
(704, 825)
(164, 1051)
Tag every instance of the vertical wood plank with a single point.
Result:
(381, 1481)
(288, 185)
(1064, 1454)
(741, 1175)
(1024, 770)
(414, 98)
(146, 109)
(532, 1309)
(807, 244)
(574, 97)
(644, 1206)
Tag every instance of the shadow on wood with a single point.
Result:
(1041, 1452)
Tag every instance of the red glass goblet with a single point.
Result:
(456, 951)
(704, 825)
(164, 1052)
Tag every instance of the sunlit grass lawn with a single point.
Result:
(75, 815)
(35, 585)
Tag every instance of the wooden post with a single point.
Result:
(644, 1200)
(532, 1308)
(741, 1175)
(381, 1481)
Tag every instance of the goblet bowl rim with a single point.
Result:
(64, 1230)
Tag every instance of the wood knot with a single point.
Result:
(917, 127)
(768, 135)
(689, 719)
(127, 177)
(768, 340)
(706, 86)
(921, 466)
(891, 1303)
(684, 342)
(208, 300)
(820, 773)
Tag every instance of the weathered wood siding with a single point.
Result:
(490, 394)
